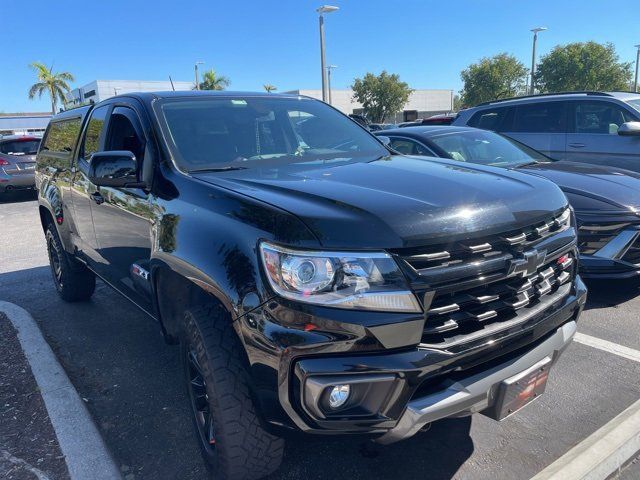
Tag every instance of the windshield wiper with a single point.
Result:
(527, 164)
(217, 169)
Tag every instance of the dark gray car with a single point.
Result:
(592, 127)
(17, 162)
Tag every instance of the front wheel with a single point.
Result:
(232, 440)
(74, 281)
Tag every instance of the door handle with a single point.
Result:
(577, 145)
(97, 197)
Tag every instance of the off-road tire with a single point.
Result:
(241, 448)
(73, 281)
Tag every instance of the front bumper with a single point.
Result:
(618, 259)
(478, 392)
(401, 391)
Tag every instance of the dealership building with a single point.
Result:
(24, 123)
(98, 90)
(421, 103)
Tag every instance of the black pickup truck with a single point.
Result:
(314, 280)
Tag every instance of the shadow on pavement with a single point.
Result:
(609, 293)
(130, 379)
(18, 196)
(440, 451)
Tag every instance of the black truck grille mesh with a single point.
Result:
(474, 286)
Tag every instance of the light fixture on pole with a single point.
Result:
(635, 82)
(197, 77)
(329, 68)
(321, 11)
(535, 31)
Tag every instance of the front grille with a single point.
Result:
(454, 316)
(632, 255)
(488, 248)
(592, 238)
(473, 288)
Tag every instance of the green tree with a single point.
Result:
(55, 84)
(269, 88)
(582, 66)
(501, 76)
(457, 103)
(213, 81)
(380, 95)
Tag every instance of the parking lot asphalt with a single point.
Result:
(131, 382)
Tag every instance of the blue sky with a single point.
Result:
(426, 42)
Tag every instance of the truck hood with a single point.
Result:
(398, 201)
(617, 188)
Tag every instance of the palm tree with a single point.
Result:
(55, 84)
(269, 88)
(211, 81)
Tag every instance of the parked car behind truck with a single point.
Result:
(314, 280)
(605, 199)
(17, 162)
(590, 127)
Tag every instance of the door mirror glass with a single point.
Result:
(629, 129)
(113, 169)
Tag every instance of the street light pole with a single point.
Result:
(535, 31)
(635, 82)
(322, 10)
(196, 72)
(329, 68)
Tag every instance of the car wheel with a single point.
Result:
(74, 281)
(234, 444)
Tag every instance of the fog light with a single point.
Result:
(339, 395)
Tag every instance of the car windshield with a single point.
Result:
(486, 148)
(20, 147)
(635, 103)
(241, 132)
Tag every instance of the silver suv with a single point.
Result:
(591, 127)
(17, 162)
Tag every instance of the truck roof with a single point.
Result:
(205, 93)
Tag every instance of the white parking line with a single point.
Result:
(601, 454)
(620, 350)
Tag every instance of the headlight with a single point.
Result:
(356, 280)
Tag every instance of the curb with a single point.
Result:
(86, 454)
(603, 453)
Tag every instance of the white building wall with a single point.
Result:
(108, 88)
(425, 102)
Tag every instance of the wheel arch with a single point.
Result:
(175, 291)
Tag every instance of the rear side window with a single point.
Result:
(490, 119)
(543, 117)
(62, 136)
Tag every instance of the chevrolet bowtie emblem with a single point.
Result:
(528, 263)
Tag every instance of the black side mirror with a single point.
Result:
(114, 169)
(629, 129)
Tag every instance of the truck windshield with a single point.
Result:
(243, 132)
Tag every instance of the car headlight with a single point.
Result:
(355, 280)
